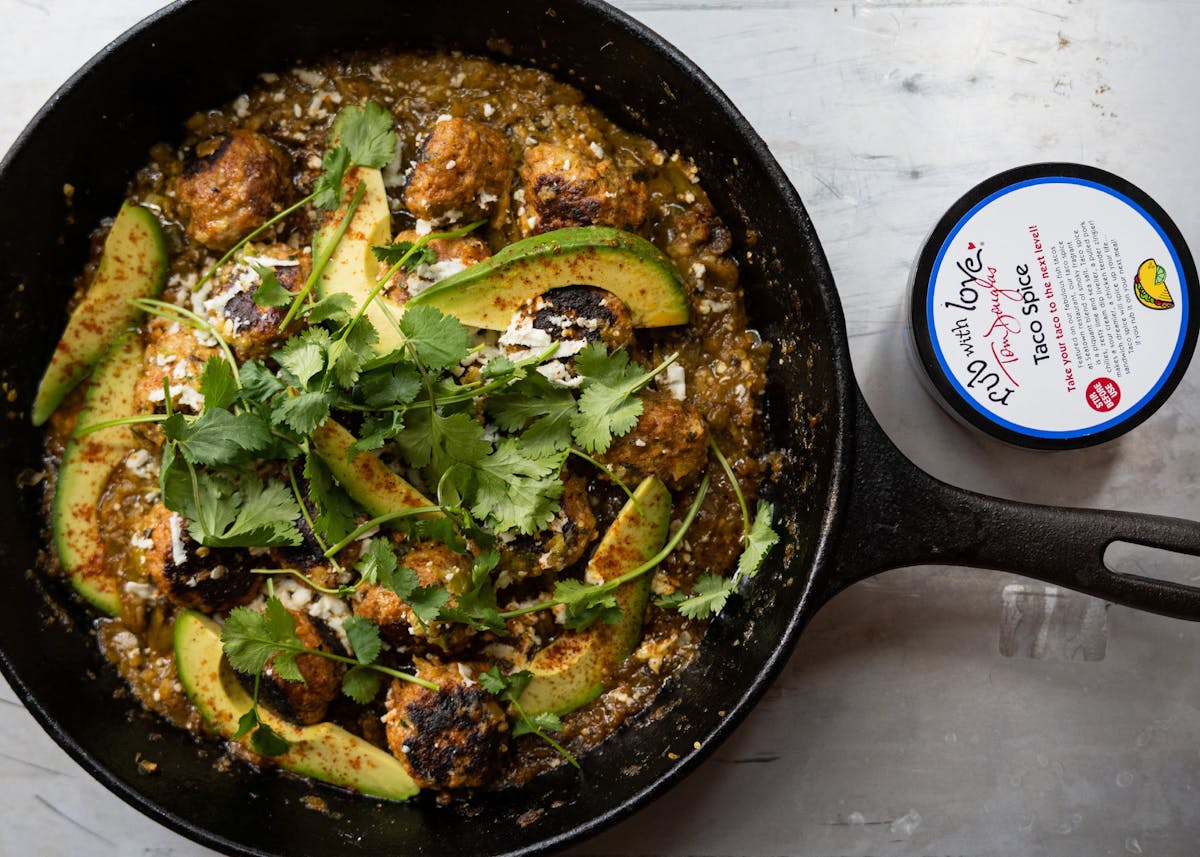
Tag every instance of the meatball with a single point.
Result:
(559, 546)
(463, 172)
(670, 441)
(573, 315)
(448, 738)
(253, 331)
(563, 187)
(453, 255)
(435, 565)
(188, 574)
(175, 354)
(234, 184)
(305, 702)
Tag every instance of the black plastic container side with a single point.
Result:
(1052, 307)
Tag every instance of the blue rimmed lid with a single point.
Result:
(1054, 306)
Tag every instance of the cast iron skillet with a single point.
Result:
(850, 504)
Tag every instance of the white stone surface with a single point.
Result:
(897, 728)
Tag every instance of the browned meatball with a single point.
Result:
(435, 565)
(188, 574)
(451, 738)
(234, 184)
(175, 354)
(463, 167)
(253, 331)
(305, 702)
(670, 441)
(563, 187)
(560, 545)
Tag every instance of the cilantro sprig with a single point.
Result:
(508, 688)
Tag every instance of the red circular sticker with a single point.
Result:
(1103, 394)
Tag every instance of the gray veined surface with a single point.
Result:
(927, 711)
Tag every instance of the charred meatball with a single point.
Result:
(233, 185)
(562, 187)
(435, 565)
(449, 738)
(188, 574)
(305, 702)
(670, 441)
(463, 172)
(571, 315)
(253, 331)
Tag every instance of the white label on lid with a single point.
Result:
(1057, 308)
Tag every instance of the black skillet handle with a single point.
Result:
(899, 515)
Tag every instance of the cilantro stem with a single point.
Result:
(333, 656)
(229, 254)
(737, 488)
(176, 313)
(324, 590)
(322, 260)
(610, 585)
(365, 528)
(191, 468)
(122, 421)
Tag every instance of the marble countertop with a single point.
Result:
(901, 725)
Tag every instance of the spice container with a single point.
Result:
(1053, 307)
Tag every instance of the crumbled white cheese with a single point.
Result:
(178, 549)
(241, 106)
(451, 164)
(423, 227)
(124, 642)
(145, 591)
(142, 464)
(458, 79)
(522, 334)
(142, 543)
(676, 380)
(488, 110)
(486, 198)
(706, 306)
(698, 270)
(297, 110)
(557, 372)
(182, 394)
(597, 149)
(312, 78)
(427, 275)
(445, 117)
(271, 262)
(269, 77)
(468, 676)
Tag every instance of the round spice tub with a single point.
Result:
(1053, 307)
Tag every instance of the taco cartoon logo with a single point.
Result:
(1150, 286)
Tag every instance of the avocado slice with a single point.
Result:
(322, 751)
(370, 482)
(133, 265)
(487, 294)
(86, 466)
(571, 671)
(352, 267)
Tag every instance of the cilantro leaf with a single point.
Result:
(431, 439)
(438, 340)
(327, 191)
(759, 541)
(518, 488)
(361, 684)
(393, 253)
(284, 665)
(303, 356)
(377, 563)
(270, 292)
(546, 408)
(427, 602)
(336, 309)
(350, 355)
(246, 722)
(304, 412)
(586, 603)
(609, 406)
(536, 724)
(397, 384)
(367, 134)
(250, 512)
(335, 511)
(364, 638)
(217, 437)
(707, 598)
(217, 384)
(259, 383)
(267, 742)
(250, 639)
